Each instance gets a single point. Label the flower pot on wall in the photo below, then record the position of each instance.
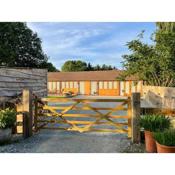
(5, 135)
(150, 142)
(165, 149)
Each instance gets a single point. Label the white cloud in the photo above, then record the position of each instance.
(96, 42)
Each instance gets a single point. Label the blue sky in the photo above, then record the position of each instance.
(98, 43)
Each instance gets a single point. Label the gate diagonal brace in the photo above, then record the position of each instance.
(101, 116)
(61, 115)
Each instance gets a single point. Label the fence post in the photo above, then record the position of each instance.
(28, 114)
(36, 114)
(25, 125)
(135, 117)
(129, 117)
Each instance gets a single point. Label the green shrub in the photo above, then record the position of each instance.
(154, 122)
(7, 118)
(166, 137)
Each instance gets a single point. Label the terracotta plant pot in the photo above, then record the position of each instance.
(165, 149)
(150, 142)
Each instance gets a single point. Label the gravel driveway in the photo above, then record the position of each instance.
(69, 142)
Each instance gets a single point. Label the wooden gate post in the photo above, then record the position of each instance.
(36, 114)
(135, 117)
(28, 114)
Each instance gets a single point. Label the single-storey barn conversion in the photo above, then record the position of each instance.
(103, 83)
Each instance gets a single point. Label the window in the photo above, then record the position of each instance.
(135, 83)
(105, 85)
(101, 85)
(133, 88)
(71, 84)
(62, 84)
(127, 87)
(50, 86)
(115, 84)
(75, 84)
(110, 84)
(67, 84)
(139, 86)
(58, 85)
(54, 86)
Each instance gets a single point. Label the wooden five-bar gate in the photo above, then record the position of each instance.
(84, 115)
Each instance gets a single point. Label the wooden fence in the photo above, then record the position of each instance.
(14, 80)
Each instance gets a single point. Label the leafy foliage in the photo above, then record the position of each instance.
(74, 66)
(154, 63)
(103, 67)
(166, 137)
(166, 26)
(89, 67)
(21, 47)
(155, 122)
(7, 118)
(49, 66)
(71, 66)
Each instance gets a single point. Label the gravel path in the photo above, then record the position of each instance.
(69, 142)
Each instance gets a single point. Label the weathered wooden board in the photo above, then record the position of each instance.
(14, 80)
(160, 97)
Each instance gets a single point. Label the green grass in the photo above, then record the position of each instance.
(56, 97)
(59, 96)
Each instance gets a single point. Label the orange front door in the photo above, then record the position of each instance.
(87, 87)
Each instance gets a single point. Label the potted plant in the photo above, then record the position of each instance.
(7, 121)
(165, 141)
(153, 123)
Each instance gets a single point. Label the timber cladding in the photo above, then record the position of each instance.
(14, 80)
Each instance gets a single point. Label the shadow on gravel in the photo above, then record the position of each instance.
(47, 141)
(74, 142)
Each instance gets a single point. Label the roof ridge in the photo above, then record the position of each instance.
(89, 71)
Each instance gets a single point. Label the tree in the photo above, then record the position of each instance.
(109, 67)
(49, 66)
(154, 63)
(104, 67)
(74, 66)
(90, 67)
(166, 26)
(21, 47)
(97, 67)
